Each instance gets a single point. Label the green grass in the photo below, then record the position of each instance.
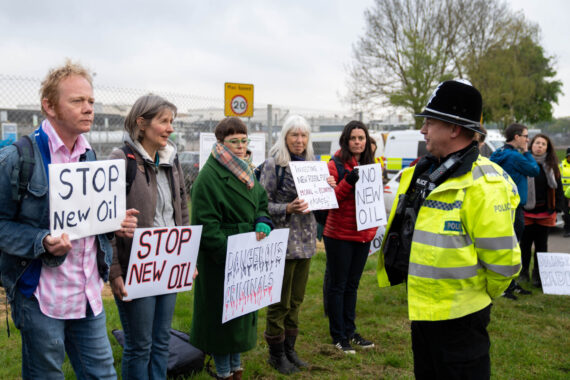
(529, 337)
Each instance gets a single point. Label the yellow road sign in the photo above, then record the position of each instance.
(238, 99)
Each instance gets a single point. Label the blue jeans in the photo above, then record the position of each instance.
(345, 263)
(146, 322)
(226, 363)
(45, 341)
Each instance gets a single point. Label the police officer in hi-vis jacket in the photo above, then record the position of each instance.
(450, 236)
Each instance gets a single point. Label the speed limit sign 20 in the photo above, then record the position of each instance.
(239, 105)
(238, 99)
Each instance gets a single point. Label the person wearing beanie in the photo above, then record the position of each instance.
(450, 236)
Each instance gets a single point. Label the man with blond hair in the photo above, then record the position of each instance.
(54, 284)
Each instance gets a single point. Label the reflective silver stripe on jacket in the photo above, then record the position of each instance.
(480, 170)
(456, 273)
(504, 270)
(496, 243)
(441, 241)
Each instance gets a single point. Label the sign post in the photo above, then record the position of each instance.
(238, 99)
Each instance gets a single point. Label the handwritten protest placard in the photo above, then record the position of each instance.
(376, 243)
(86, 198)
(311, 183)
(369, 197)
(554, 272)
(162, 260)
(254, 272)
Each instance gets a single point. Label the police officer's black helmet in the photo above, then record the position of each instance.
(456, 102)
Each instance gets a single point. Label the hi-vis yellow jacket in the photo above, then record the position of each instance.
(565, 170)
(464, 250)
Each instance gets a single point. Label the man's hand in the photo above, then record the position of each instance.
(57, 246)
(128, 224)
(118, 288)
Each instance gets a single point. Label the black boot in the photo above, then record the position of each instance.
(290, 352)
(277, 358)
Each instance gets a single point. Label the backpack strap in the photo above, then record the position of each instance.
(22, 173)
(339, 167)
(131, 166)
(280, 174)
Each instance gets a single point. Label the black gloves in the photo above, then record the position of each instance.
(352, 177)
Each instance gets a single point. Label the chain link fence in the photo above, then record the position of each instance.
(20, 114)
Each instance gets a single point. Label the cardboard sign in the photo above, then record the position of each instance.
(369, 197)
(163, 260)
(311, 183)
(86, 198)
(254, 272)
(554, 271)
(376, 243)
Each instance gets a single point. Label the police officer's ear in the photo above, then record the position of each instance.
(455, 131)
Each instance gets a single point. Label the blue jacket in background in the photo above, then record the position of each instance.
(23, 229)
(518, 165)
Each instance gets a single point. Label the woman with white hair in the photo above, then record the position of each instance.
(288, 211)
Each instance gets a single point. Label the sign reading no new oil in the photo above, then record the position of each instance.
(238, 99)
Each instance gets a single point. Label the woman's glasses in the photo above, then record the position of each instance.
(238, 142)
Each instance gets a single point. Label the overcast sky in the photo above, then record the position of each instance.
(295, 52)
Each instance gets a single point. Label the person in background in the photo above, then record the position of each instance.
(54, 284)
(346, 247)
(287, 210)
(518, 162)
(450, 236)
(226, 200)
(159, 194)
(565, 172)
(545, 198)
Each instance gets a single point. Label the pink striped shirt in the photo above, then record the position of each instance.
(63, 291)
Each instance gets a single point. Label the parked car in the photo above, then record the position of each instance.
(190, 163)
(390, 190)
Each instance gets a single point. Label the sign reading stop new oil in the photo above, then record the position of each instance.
(238, 99)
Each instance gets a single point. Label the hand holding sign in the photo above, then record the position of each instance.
(129, 224)
(57, 246)
(297, 206)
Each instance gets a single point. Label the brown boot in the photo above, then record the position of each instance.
(290, 352)
(237, 374)
(277, 358)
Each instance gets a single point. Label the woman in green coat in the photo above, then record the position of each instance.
(226, 200)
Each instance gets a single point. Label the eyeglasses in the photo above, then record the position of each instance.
(525, 136)
(238, 142)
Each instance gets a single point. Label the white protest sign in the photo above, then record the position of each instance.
(163, 260)
(254, 272)
(311, 183)
(86, 198)
(256, 147)
(376, 243)
(369, 197)
(554, 272)
(207, 141)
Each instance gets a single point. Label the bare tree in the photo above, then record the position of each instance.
(409, 46)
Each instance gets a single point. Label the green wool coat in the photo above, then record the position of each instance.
(223, 206)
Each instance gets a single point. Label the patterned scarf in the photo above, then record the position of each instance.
(242, 169)
(550, 179)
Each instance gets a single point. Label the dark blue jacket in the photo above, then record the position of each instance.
(518, 165)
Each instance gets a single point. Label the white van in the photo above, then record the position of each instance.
(404, 147)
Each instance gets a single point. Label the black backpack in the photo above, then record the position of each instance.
(183, 358)
(321, 215)
(279, 173)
